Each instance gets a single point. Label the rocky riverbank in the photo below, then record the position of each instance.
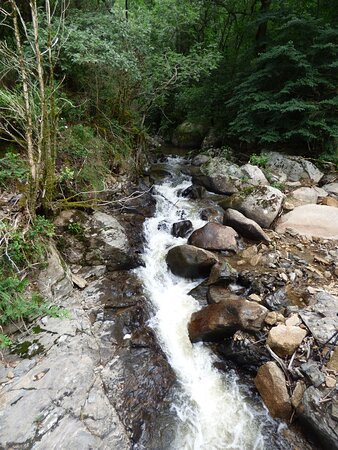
(267, 255)
(269, 304)
(98, 378)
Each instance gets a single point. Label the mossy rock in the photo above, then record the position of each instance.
(189, 135)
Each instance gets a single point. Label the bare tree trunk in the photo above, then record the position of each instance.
(263, 27)
(28, 113)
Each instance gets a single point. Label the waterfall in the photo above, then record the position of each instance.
(212, 413)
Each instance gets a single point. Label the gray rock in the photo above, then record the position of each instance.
(182, 228)
(294, 168)
(331, 188)
(261, 204)
(316, 415)
(222, 273)
(254, 174)
(200, 159)
(55, 282)
(303, 196)
(194, 192)
(321, 317)
(245, 227)
(189, 261)
(311, 370)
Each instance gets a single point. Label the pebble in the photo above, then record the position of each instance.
(330, 382)
(255, 260)
(293, 320)
(271, 318)
(255, 298)
(283, 276)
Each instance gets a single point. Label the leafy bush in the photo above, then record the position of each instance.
(25, 247)
(16, 303)
(75, 228)
(259, 160)
(12, 168)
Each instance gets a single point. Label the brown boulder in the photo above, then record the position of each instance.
(284, 340)
(214, 236)
(245, 227)
(189, 261)
(222, 319)
(270, 383)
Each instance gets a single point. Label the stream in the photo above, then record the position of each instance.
(212, 408)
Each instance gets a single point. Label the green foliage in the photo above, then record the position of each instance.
(12, 169)
(289, 96)
(75, 228)
(259, 160)
(25, 247)
(17, 303)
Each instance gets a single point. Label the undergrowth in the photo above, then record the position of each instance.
(22, 248)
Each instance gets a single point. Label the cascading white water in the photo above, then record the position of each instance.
(212, 413)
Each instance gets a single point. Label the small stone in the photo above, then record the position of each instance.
(255, 298)
(292, 276)
(10, 374)
(280, 318)
(255, 260)
(330, 382)
(249, 252)
(241, 262)
(298, 272)
(79, 281)
(271, 318)
(311, 290)
(327, 274)
(298, 393)
(284, 277)
(293, 320)
(333, 363)
(285, 340)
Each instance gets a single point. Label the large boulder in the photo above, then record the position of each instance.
(271, 384)
(284, 340)
(321, 317)
(303, 196)
(311, 220)
(214, 236)
(189, 135)
(294, 168)
(221, 176)
(331, 188)
(261, 204)
(190, 262)
(219, 320)
(55, 282)
(319, 416)
(93, 240)
(245, 227)
(219, 184)
(254, 174)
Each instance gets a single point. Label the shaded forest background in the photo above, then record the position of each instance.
(85, 85)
